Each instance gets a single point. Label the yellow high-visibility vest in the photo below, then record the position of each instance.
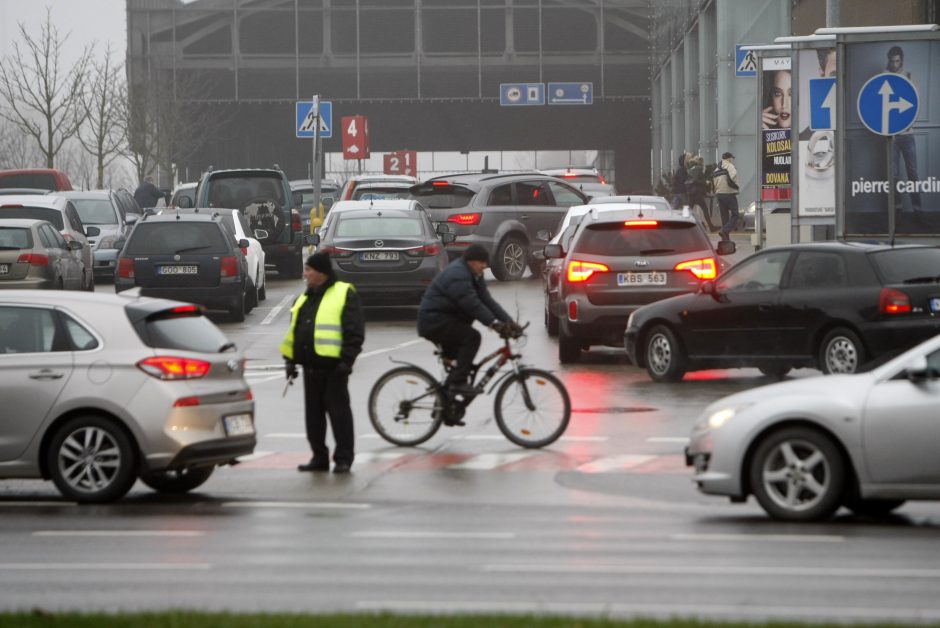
(328, 325)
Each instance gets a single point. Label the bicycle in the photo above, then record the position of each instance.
(407, 405)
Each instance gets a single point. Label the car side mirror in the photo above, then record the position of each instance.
(92, 231)
(131, 218)
(75, 245)
(919, 371)
(261, 234)
(448, 238)
(726, 247)
(553, 251)
(443, 228)
(544, 234)
(297, 199)
(243, 243)
(708, 287)
(313, 239)
(185, 202)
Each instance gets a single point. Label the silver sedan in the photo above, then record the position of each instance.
(805, 447)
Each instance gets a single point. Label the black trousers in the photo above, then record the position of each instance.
(459, 341)
(326, 393)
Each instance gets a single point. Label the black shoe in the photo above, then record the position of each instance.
(314, 466)
(342, 467)
(461, 389)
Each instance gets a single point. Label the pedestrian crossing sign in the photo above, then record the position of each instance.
(306, 115)
(745, 61)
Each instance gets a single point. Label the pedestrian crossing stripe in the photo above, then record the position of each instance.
(504, 462)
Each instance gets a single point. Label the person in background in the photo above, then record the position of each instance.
(679, 196)
(725, 179)
(147, 194)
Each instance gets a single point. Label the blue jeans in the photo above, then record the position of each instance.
(904, 147)
(728, 208)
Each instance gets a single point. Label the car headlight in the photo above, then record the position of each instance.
(717, 419)
(107, 242)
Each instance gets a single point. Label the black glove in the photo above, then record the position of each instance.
(290, 370)
(515, 329)
(501, 328)
(342, 369)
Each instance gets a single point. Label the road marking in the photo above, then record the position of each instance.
(118, 533)
(277, 309)
(712, 570)
(105, 566)
(255, 456)
(369, 354)
(784, 538)
(334, 505)
(571, 439)
(485, 462)
(429, 534)
(614, 463)
(667, 439)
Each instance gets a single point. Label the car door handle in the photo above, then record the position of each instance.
(46, 374)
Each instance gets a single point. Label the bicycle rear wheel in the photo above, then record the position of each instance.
(406, 406)
(541, 423)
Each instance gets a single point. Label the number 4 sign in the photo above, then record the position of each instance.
(355, 137)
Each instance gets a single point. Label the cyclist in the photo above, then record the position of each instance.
(449, 306)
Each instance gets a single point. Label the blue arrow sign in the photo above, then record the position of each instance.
(511, 94)
(571, 93)
(887, 104)
(306, 117)
(822, 104)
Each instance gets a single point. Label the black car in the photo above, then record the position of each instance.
(832, 306)
(186, 257)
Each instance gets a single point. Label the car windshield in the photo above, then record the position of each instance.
(378, 227)
(185, 333)
(238, 191)
(168, 238)
(615, 239)
(94, 211)
(378, 194)
(38, 213)
(900, 265)
(38, 180)
(15, 238)
(442, 196)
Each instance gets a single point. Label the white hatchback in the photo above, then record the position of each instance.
(254, 253)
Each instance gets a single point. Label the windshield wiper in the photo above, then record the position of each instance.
(193, 248)
(924, 279)
(657, 251)
(228, 346)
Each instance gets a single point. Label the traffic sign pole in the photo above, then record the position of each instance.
(317, 146)
(892, 218)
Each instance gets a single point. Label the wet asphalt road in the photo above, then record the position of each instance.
(604, 522)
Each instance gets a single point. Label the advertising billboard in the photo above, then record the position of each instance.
(892, 137)
(776, 119)
(816, 169)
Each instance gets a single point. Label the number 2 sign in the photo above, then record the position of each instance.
(401, 162)
(355, 137)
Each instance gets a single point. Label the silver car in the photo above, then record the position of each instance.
(102, 209)
(34, 255)
(109, 388)
(805, 447)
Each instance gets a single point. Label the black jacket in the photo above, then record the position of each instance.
(457, 295)
(353, 331)
(147, 195)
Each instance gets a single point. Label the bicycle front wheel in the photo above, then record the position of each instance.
(532, 408)
(406, 406)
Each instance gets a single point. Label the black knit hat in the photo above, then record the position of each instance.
(727, 156)
(476, 253)
(320, 262)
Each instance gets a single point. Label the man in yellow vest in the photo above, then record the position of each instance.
(325, 336)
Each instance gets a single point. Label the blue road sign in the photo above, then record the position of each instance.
(306, 117)
(512, 94)
(887, 104)
(571, 93)
(822, 104)
(745, 61)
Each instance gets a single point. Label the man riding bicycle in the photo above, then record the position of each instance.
(454, 299)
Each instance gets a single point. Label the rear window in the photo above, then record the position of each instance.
(42, 181)
(95, 211)
(184, 333)
(177, 237)
(615, 239)
(15, 238)
(378, 227)
(378, 194)
(39, 213)
(238, 191)
(442, 197)
(900, 265)
(580, 178)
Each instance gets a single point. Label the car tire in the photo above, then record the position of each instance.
(774, 371)
(295, 267)
(789, 490)
(263, 290)
(89, 284)
(176, 482)
(873, 507)
(841, 352)
(511, 258)
(551, 323)
(239, 309)
(569, 349)
(665, 356)
(251, 296)
(112, 457)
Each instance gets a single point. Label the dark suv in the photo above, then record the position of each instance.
(264, 196)
(617, 261)
(186, 257)
(511, 215)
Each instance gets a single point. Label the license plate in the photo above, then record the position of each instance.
(177, 270)
(379, 256)
(4, 269)
(238, 424)
(641, 279)
(934, 303)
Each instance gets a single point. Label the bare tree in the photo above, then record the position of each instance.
(40, 100)
(17, 150)
(101, 134)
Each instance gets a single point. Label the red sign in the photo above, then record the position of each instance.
(355, 137)
(401, 162)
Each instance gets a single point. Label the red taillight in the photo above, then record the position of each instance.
(428, 250)
(244, 250)
(892, 301)
(169, 367)
(439, 184)
(186, 402)
(12, 205)
(229, 266)
(295, 225)
(601, 179)
(569, 175)
(572, 310)
(335, 252)
(249, 396)
(641, 224)
(465, 219)
(186, 309)
(702, 268)
(125, 268)
(579, 271)
(35, 259)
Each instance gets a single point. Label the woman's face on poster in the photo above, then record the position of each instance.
(780, 94)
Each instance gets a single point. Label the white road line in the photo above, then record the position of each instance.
(783, 538)
(254, 381)
(379, 456)
(772, 571)
(105, 566)
(482, 462)
(255, 456)
(287, 300)
(614, 463)
(119, 533)
(333, 505)
(667, 439)
(369, 354)
(429, 534)
(572, 439)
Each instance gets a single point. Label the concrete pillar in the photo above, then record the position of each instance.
(678, 102)
(690, 89)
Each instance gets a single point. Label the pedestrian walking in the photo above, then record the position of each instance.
(147, 194)
(725, 179)
(325, 336)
